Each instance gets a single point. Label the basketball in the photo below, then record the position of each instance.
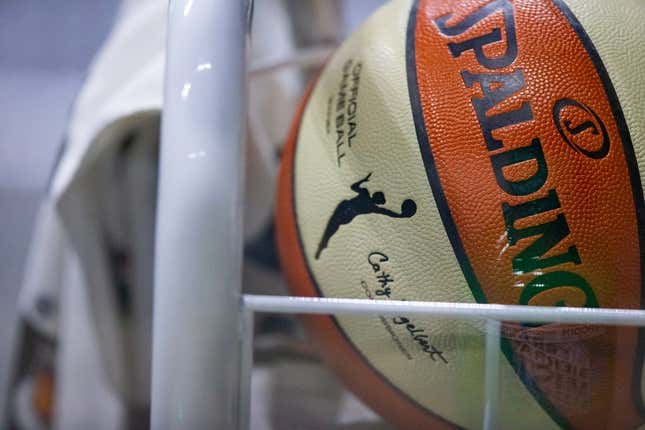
(477, 151)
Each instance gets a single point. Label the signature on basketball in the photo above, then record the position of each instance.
(421, 338)
(385, 280)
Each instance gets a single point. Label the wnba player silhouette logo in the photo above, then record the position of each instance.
(363, 204)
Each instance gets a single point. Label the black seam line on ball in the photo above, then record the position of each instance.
(453, 234)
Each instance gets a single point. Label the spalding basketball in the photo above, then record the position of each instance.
(482, 151)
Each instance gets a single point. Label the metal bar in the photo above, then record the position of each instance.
(461, 311)
(199, 217)
(491, 375)
(306, 57)
(246, 363)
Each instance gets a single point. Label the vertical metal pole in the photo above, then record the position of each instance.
(246, 369)
(491, 377)
(199, 221)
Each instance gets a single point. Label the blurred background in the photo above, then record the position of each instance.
(46, 48)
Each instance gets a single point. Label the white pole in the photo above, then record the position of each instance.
(246, 363)
(491, 375)
(198, 249)
(456, 311)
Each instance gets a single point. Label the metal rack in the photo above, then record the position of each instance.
(201, 368)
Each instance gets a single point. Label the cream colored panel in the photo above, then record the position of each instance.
(359, 122)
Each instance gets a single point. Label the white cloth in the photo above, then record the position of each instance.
(105, 187)
(93, 248)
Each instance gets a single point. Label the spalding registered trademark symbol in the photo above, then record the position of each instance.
(581, 128)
